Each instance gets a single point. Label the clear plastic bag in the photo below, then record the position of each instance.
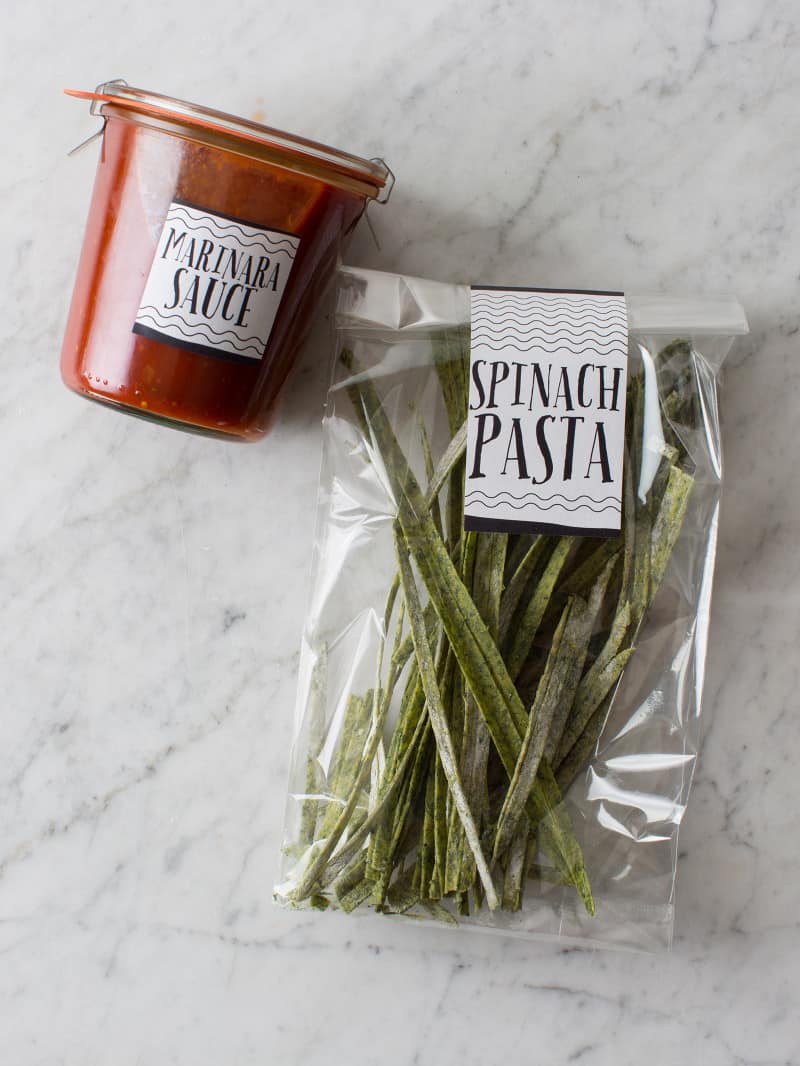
(401, 769)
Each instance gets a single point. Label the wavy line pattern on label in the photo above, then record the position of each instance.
(551, 328)
(234, 227)
(219, 333)
(545, 507)
(556, 296)
(531, 315)
(527, 320)
(551, 345)
(214, 224)
(550, 349)
(531, 309)
(550, 308)
(608, 341)
(599, 334)
(527, 303)
(612, 500)
(548, 320)
(577, 329)
(226, 224)
(556, 326)
(197, 332)
(263, 243)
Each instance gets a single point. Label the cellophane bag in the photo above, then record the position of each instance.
(427, 649)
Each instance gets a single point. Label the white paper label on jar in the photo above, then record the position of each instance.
(215, 284)
(546, 423)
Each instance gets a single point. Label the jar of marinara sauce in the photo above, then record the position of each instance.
(209, 242)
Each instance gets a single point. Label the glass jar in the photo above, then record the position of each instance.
(209, 242)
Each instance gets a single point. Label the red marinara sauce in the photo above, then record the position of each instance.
(208, 245)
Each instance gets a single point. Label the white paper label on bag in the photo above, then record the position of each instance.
(546, 423)
(215, 284)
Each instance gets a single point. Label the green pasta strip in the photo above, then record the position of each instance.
(436, 887)
(388, 831)
(314, 783)
(640, 593)
(453, 454)
(350, 877)
(355, 897)
(426, 856)
(596, 683)
(669, 459)
(533, 614)
(400, 815)
(438, 718)
(514, 879)
(438, 911)
(346, 760)
(582, 577)
(319, 861)
(533, 743)
(487, 588)
(432, 497)
(517, 584)
(581, 752)
(591, 695)
(668, 523)
(574, 651)
(402, 751)
(403, 895)
(358, 835)
(628, 532)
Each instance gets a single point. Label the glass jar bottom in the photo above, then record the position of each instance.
(165, 420)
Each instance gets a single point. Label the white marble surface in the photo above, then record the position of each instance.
(153, 589)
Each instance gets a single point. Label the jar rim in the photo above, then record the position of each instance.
(372, 176)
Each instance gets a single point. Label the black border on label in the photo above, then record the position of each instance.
(528, 288)
(193, 346)
(473, 524)
(234, 218)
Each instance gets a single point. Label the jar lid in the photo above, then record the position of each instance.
(370, 177)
